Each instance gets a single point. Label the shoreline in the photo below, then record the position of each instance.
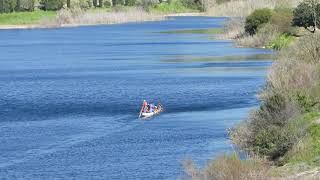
(39, 26)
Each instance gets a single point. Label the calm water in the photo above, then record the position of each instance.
(69, 99)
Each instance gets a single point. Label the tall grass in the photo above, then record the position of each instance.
(228, 167)
(242, 8)
(76, 17)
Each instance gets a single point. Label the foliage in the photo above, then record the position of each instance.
(282, 19)
(25, 5)
(118, 2)
(7, 6)
(282, 41)
(52, 5)
(303, 15)
(175, 6)
(107, 4)
(192, 4)
(307, 150)
(130, 2)
(256, 19)
(82, 4)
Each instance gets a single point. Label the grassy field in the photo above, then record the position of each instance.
(25, 18)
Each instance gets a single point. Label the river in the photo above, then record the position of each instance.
(69, 98)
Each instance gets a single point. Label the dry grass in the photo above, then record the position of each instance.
(242, 8)
(76, 17)
(229, 167)
(265, 35)
(233, 28)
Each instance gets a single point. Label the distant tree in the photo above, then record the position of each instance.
(7, 6)
(95, 3)
(130, 2)
(100, 3)
(52, 5)
(69, 3)
(256, 19)
(107, 4)
(307, 15)
(17, 5)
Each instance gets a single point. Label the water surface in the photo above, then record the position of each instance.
(69, 99)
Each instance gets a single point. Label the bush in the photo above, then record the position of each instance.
(282, 19)
(282, 41)
(303, 15)
(52, 5)
(7, 6)
(256, 19)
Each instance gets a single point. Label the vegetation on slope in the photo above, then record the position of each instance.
(282, 134)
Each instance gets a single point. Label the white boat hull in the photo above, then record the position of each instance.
(150, 114)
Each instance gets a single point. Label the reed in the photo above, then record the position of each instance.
(75, 17)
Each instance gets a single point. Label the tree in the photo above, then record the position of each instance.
(314, 4)
(7, 6)
(95, 3)
(52, 5)
(307, 15)
(18, 5)
(69, 3)
(100, 3)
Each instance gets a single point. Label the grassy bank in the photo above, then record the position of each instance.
(25, 18)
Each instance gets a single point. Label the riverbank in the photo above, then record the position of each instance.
(65, 19)
(281, 136)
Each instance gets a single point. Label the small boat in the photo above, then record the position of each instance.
(150, 114)
(156, 111)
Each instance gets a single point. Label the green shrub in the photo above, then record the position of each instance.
(256, 19)
(303, 15)
(7, 6)
(282, 41)
(52, 5)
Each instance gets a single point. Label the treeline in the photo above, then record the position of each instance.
(8, 6)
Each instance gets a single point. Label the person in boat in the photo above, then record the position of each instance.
(152, 107)
(145, 106)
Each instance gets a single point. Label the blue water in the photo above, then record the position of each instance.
(69, 99)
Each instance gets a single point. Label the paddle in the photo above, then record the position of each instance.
(141, 111)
